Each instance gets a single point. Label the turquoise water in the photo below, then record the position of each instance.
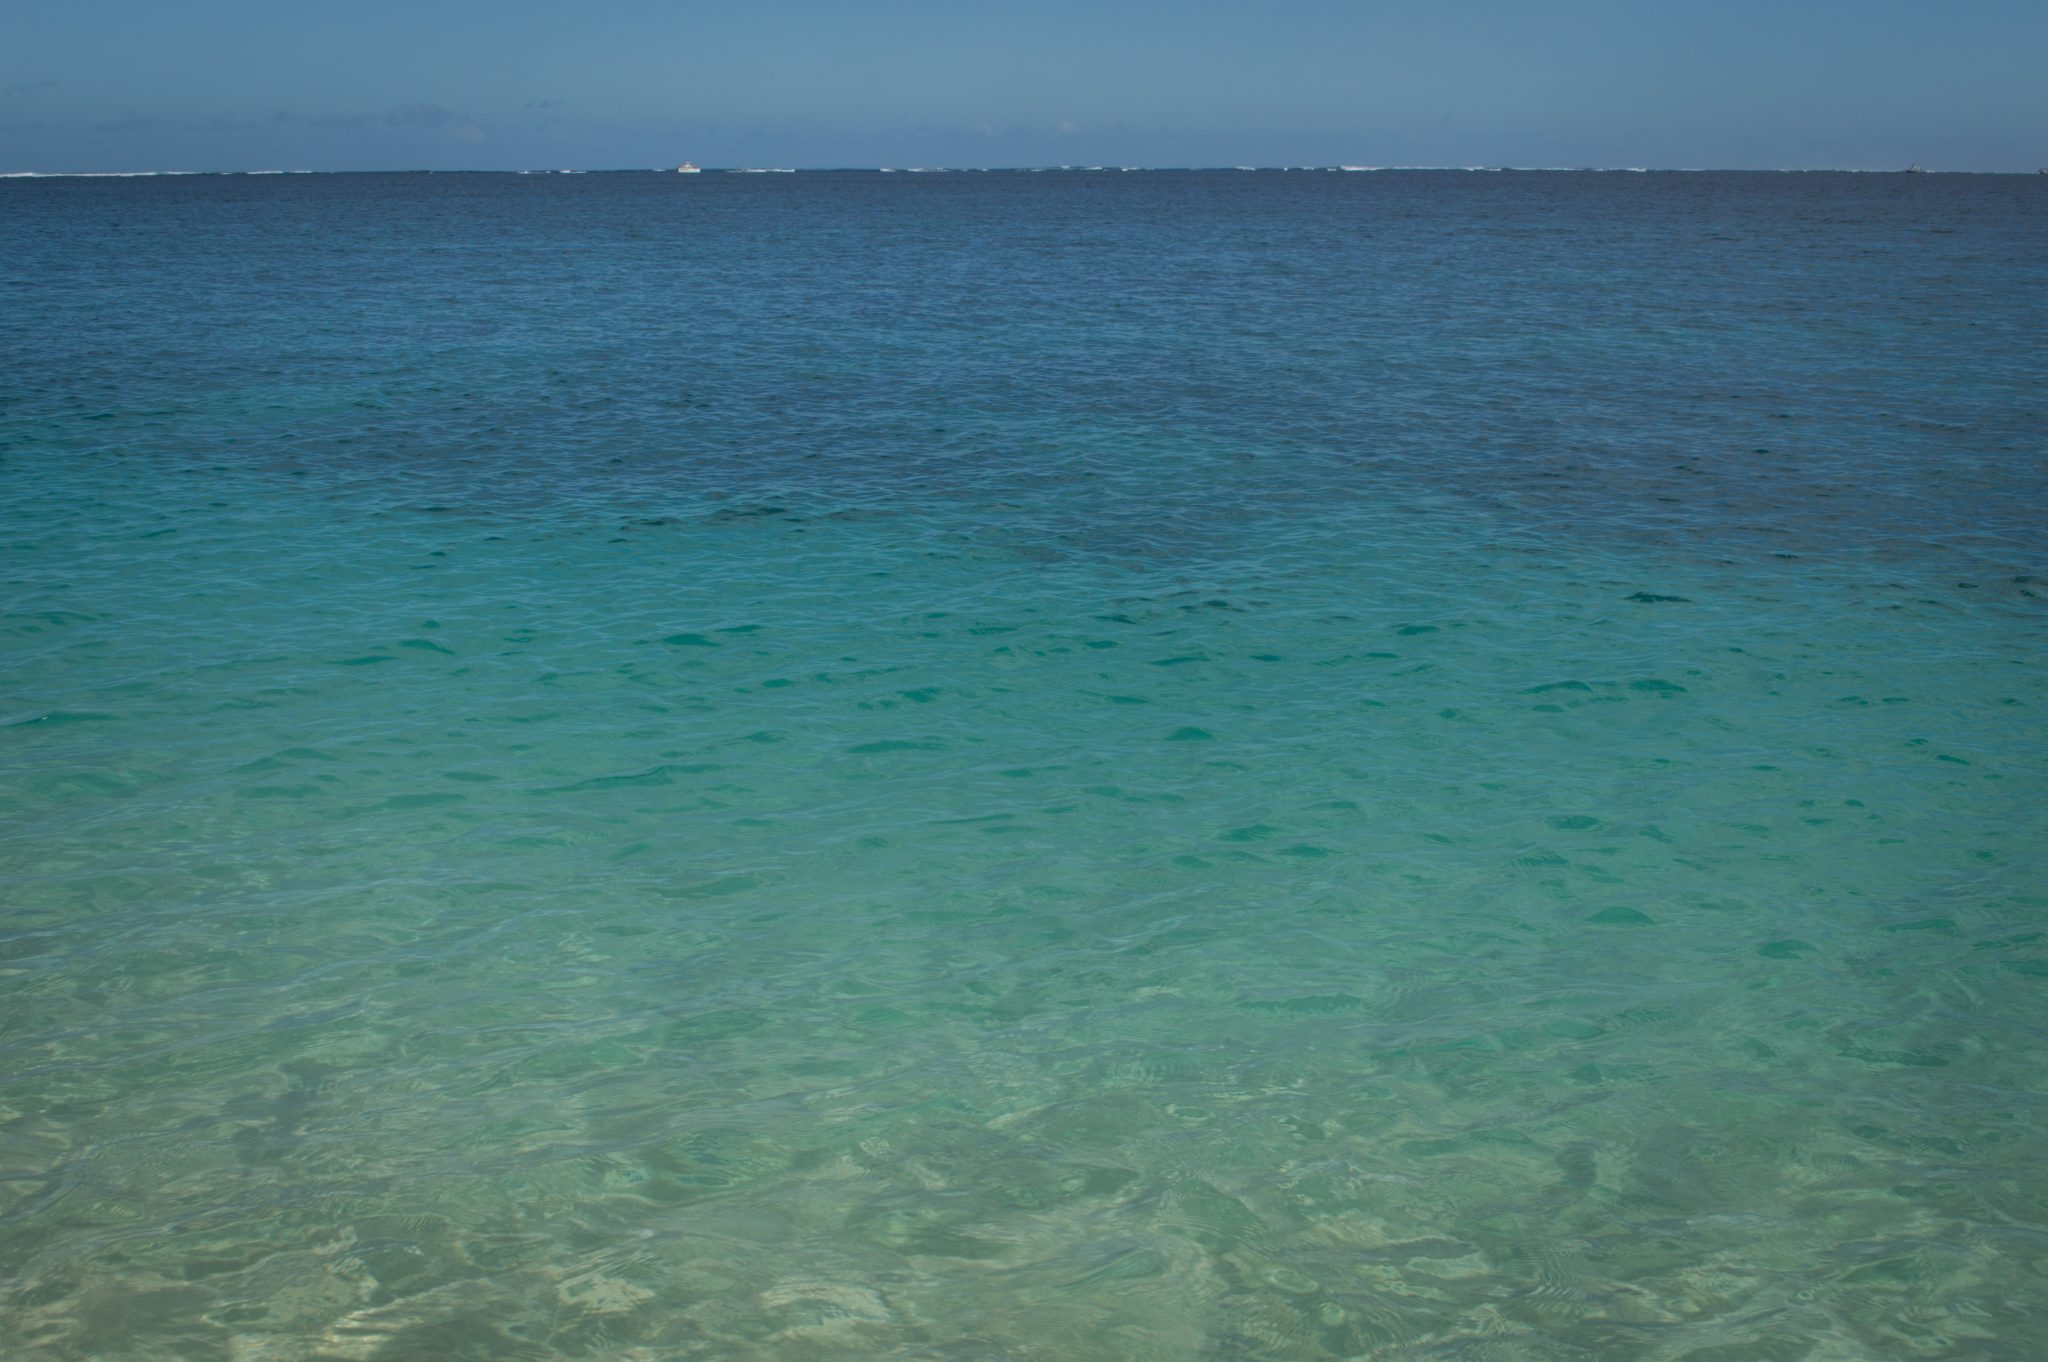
(1155, 766)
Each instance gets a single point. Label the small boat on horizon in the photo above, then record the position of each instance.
(687, 169)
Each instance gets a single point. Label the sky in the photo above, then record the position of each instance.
(115, 85)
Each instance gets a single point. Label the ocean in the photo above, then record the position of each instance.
(1172, 765)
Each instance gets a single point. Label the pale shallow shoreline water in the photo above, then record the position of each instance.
(1151, 767)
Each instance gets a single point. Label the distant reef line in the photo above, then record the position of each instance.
(1029, 170)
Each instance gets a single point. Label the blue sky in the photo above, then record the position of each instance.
(443, 84)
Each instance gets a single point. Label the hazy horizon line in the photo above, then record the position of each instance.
(1063, 168)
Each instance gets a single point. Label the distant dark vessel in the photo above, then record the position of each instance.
(1916, 169)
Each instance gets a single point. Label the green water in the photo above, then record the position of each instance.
(505, 860)
(477, 935)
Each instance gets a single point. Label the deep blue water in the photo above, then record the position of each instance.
(1155, 765)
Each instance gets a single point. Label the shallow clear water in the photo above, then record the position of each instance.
(1146, 766)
